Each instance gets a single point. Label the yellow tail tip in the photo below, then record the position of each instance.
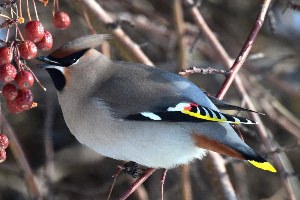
(263, 165)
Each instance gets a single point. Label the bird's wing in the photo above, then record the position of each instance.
(138, 92)
(189, 112)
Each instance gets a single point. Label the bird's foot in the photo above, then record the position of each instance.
(133, 169)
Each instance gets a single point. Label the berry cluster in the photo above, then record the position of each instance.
(35, 33)
(3, 145)
(18, 96)
(16, 78)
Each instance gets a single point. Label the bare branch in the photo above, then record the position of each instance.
(95, 8)
(186, 182)
(196, 70)
(137, 183)
(180, 30)
(239, 61)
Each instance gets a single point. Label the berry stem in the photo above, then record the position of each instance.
(20, 9)
(88, 21)
(14, 13)
(7, 34)
(16, 58)
(19, 32)
(57, 5)
(35, 10)
(28, 10)
(1, 15)
(36, 79)
(53, 7)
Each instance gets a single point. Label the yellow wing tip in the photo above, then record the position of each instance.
(263, 165)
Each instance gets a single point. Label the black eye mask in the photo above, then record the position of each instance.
(65, 61)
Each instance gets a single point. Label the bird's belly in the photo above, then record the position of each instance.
(147, 143)
(156, 147)
(153, 144)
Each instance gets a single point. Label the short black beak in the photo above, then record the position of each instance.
(48, 61)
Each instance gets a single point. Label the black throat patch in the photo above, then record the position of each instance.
(58, 78)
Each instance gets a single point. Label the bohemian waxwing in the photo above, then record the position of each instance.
(134, 112)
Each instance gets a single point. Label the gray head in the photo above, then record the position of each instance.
(73, 56)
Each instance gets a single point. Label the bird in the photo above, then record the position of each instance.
(134, 112)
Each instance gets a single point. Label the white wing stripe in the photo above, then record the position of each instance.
(151, 115)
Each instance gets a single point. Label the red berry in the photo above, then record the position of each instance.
(61, 20)
(46, 43)
(10, 91)
(24, 99)
(7, 73)
(5, 55)
(12, 107)
(27, 49)
(2, 155)
(3, 141)
(24, 79)
(34, 31)
(22, 102)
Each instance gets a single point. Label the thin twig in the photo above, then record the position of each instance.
(140, 193)
(279, 119)
(104, 47)
(209, 70)
(274, 109)
(20, 9)
(282, 86)
(116, 174)
(137, 183)
(186, 182)
(239, 61)
(180, 30)
(163, 179)
(35, 11)
(88, 21)
(209, 35)
(28, 10)
(286, 113)
(224, 187)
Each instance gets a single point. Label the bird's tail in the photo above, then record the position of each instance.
(258, 161)
(237, 149)
(265, 165)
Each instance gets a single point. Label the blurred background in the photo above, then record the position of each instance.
(64, 169)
